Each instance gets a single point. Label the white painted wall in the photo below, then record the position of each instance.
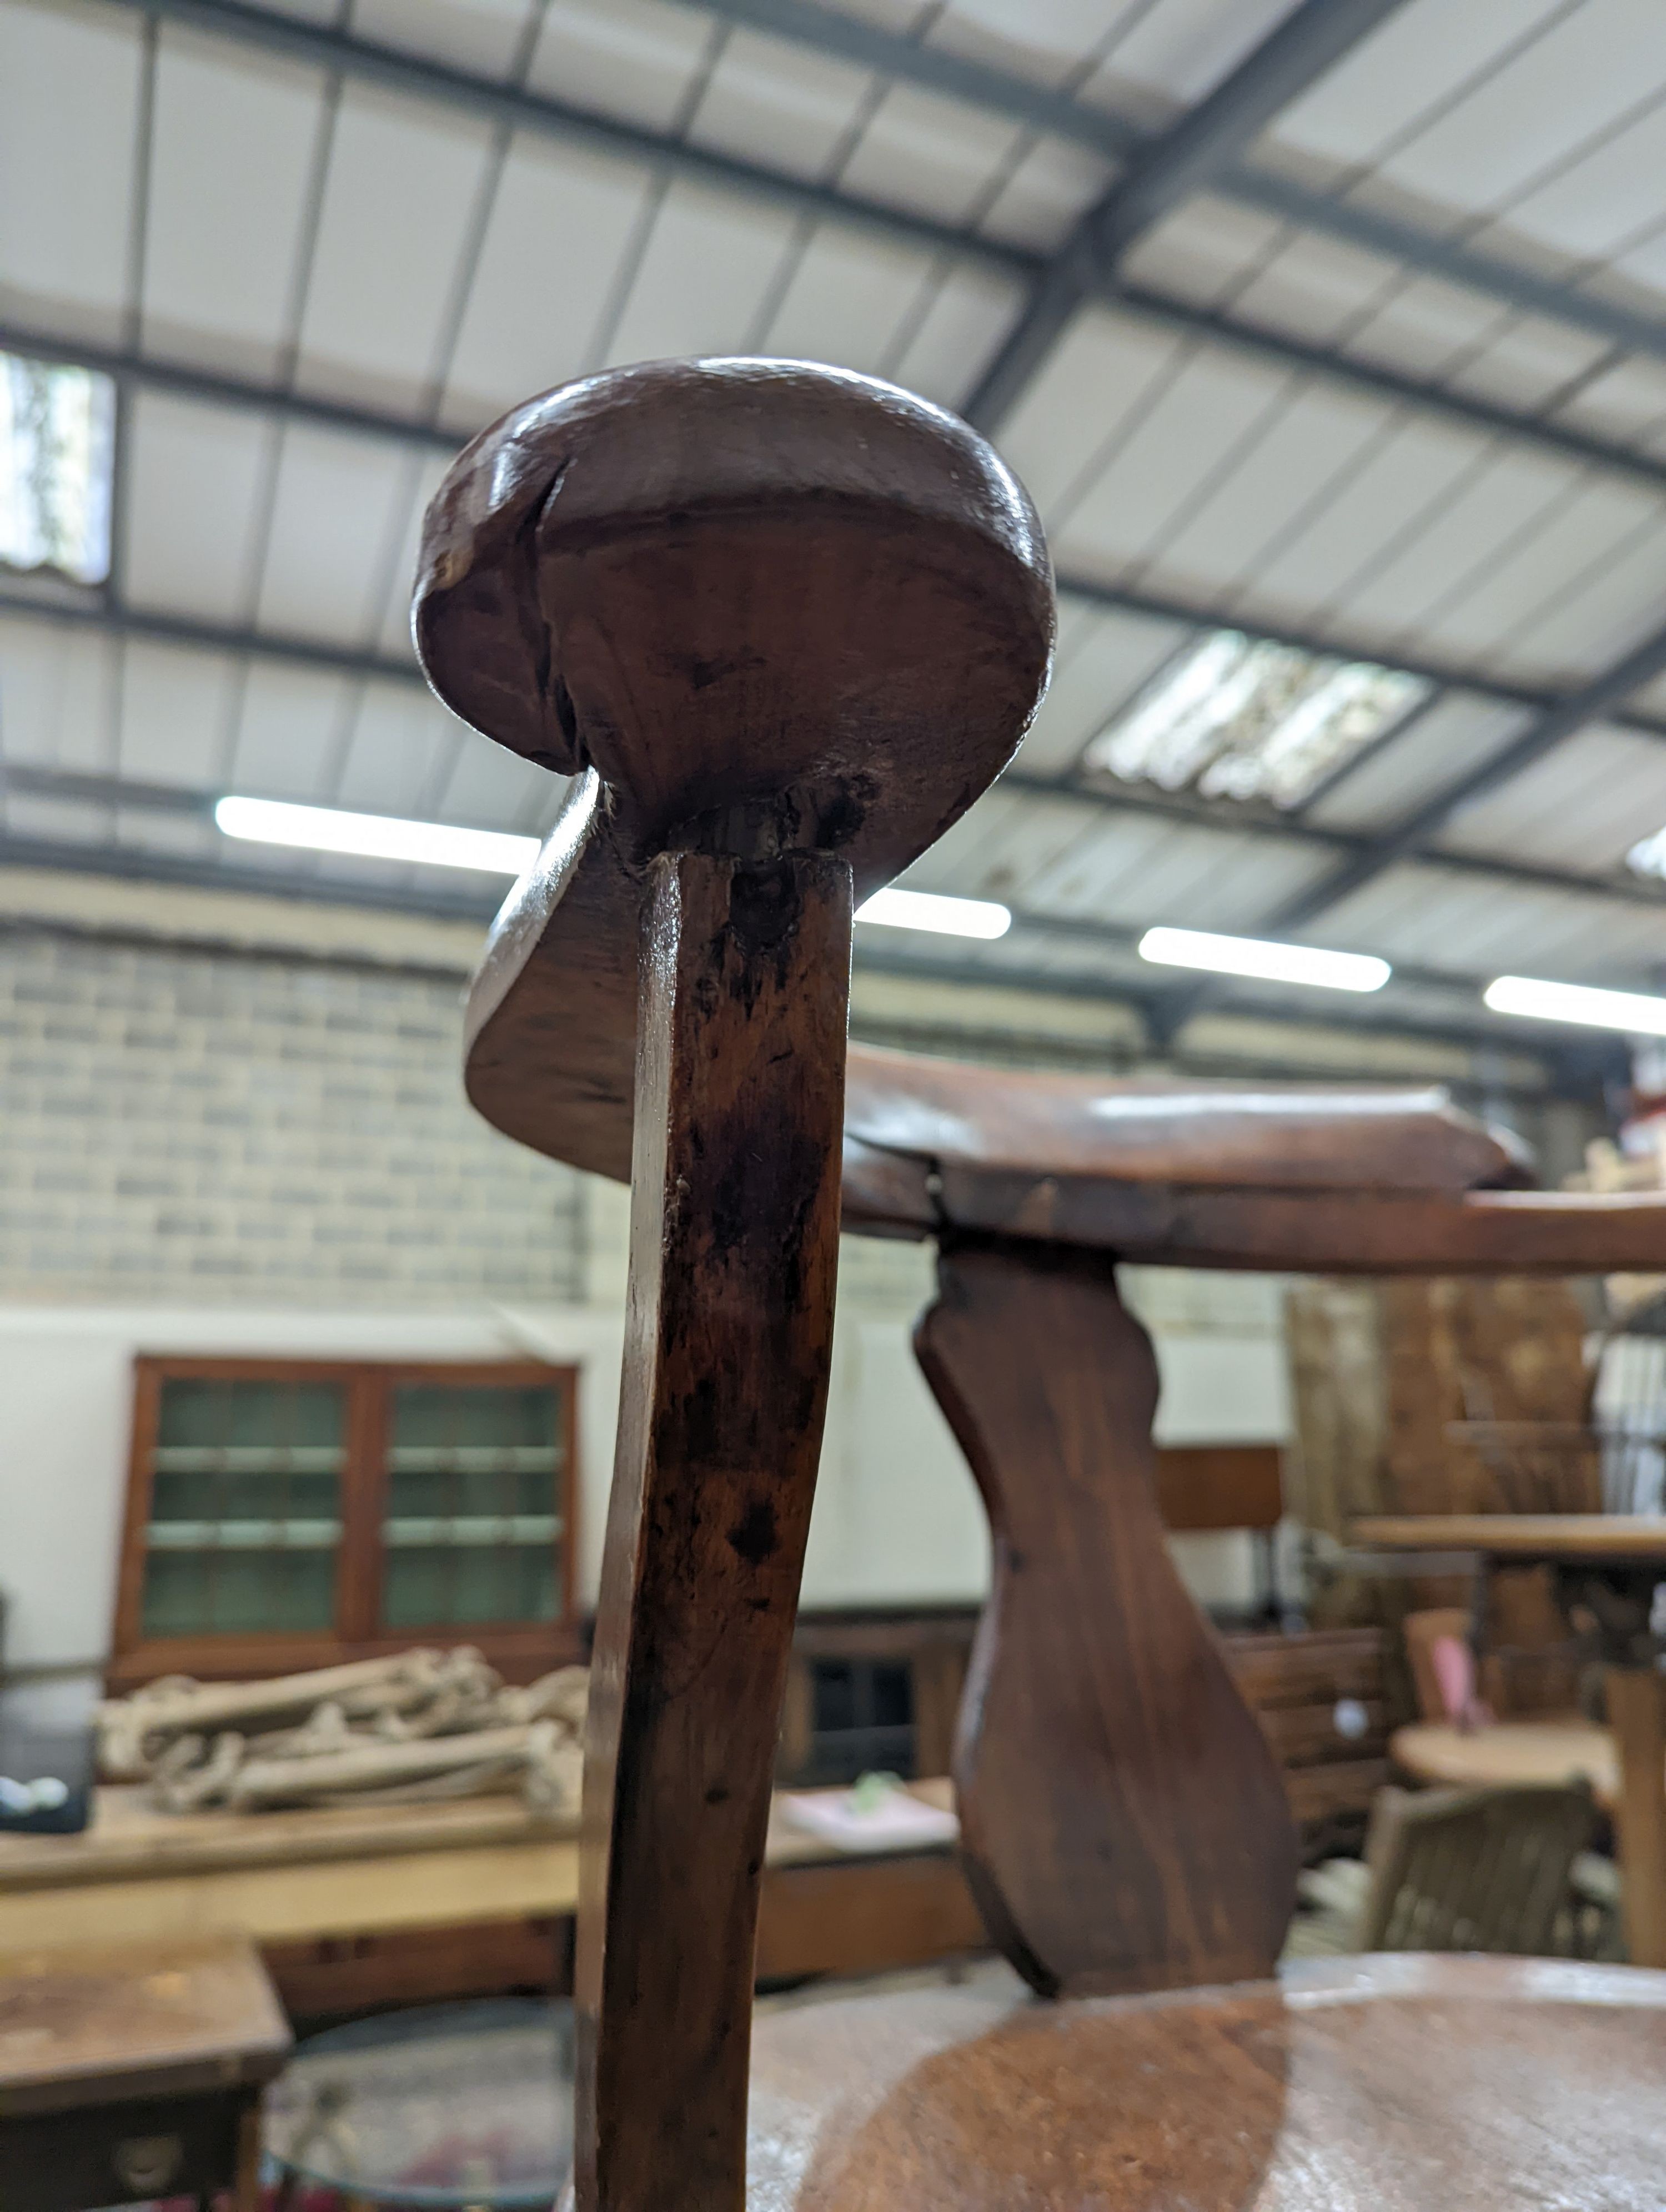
(897, 1521)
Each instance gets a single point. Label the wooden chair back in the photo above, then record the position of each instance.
(1473, 1869)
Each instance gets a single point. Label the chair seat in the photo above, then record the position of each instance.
(1397, 2082)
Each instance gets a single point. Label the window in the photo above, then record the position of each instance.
(1245, 718)
(862, 1719)
(56, 455)
(287, 1514)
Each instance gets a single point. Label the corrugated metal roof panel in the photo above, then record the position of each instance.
(969, 314)
(1049, 187)
(58, 695)
(934, 156)
(1206, 412)
(1538, 105)
(770, 100)
(1309, 445)
(638, 59)
(1183, 48)
(176, 707)
(220, 266)
(569, 214)
(71, 76)
(399, 755)
(1136, 869)
(1492, 623)
(1582, 807)
(293, 725)
(1424, 914)
(195, 477)
(1377, 94)
(1396, 486)
(492, 787)
(402, 186)
(1202, 251)
(1092, 383)
(1103, 658)
(848, 297)
(999, 844)
(481, 35)
(1433, 750)
(709, 266)
(340, 511)
(1504, 495)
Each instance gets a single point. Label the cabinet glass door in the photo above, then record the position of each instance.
(246, 1522)
(472, 1533)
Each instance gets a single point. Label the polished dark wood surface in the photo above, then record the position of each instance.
(1123, 1821)
(1393, 2083)
(755, 606)
(782, 624)
(734, 1248)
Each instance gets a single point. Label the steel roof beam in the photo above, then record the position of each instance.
(366, 61)
(1410, 837)
(30, 779)
(939, 70)
(180, 381)
(363, 59)
(1192, 154)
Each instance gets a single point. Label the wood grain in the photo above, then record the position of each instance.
(1386, 2084)
(1102, 1741)
(1621, 1538)
(734, 1243)
(93, 2023)
(1352, 1229)
(755, 606)
(1637, 1715)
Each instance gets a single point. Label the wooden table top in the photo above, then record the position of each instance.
(1390, 2083)
(93, 2025)
(128, 1839)
(1619, 1537)
(1509, 1751)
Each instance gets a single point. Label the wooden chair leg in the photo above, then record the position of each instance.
(1124, 1825)
(734, 1247)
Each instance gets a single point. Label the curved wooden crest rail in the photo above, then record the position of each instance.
(784, 625)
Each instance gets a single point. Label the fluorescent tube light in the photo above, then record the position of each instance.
(377, 836)
(1633, 1013)
(1275, 964)
(948, 917)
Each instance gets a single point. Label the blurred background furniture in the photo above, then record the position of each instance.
(133, 2071)
(442, 2107)
(1607, 1569)
(1455, 1871)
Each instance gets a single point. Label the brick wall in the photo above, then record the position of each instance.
(185, 1125)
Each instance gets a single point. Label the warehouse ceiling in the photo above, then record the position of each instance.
(1330, 341)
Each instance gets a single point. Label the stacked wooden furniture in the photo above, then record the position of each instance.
(783, 625)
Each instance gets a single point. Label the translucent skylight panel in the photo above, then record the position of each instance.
(1244, 718)
(57, 451)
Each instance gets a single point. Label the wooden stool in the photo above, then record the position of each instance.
(129, 2073)
(784, 624)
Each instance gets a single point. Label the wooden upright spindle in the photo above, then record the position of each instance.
(781, 625)
(734, 1250)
